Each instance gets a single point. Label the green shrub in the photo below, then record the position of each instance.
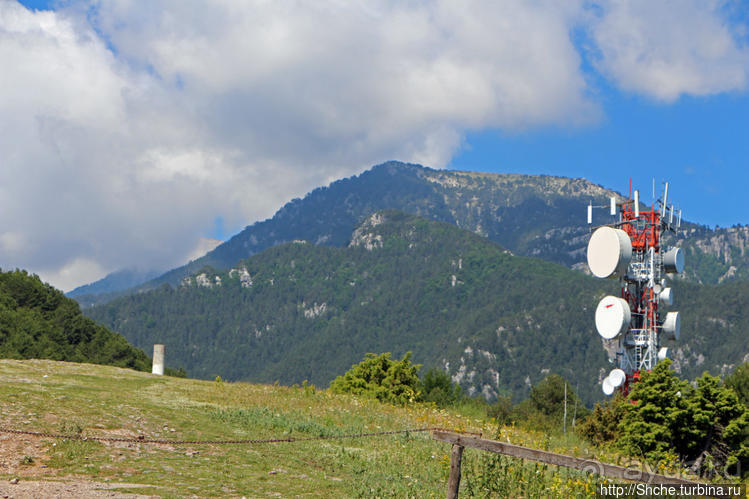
(502, 410)
(379, 377)
(602, 425)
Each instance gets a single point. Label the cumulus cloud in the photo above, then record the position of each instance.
(127, 127)
(282, 80)
(667, 49)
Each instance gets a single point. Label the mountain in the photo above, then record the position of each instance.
(111, 286)
(39, 322)
(531, 215)
(716, 255)
(496, 322)
(116, 281)
(302, 311)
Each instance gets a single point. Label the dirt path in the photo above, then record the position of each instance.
(34, 479)
(64, 488)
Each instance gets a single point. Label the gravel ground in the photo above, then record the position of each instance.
(63, 488)
(34, 480)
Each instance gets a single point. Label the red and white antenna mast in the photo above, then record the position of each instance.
(629, 249)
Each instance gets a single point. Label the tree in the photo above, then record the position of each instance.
(657, 411)
(438, 387)
(545, 407)
(739, 382)
(718, 437)
(380, 377)
(602, 426)
(705, 426)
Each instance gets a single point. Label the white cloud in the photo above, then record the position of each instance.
(127, 127)
(667, 49)
(204, 245)
(69, 275)
(346, 81)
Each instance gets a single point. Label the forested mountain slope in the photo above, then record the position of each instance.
(496, 322)
(301, 311)
(39, 322)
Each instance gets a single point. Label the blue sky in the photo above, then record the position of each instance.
(700, 145)
(145, 127)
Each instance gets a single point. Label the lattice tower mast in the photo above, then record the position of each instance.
(630, 249)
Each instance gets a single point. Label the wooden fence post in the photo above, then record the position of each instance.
(454, 483)
(459, 441)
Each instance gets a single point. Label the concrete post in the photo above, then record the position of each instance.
(158, 360)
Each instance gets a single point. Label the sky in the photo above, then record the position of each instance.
(131, 133)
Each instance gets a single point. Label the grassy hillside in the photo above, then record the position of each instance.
(48, 396)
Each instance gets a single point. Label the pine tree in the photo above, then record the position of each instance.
(706, 426)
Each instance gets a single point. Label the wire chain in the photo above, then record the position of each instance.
(142, 440)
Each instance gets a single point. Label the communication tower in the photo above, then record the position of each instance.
(630, 249)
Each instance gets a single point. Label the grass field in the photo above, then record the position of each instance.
(90, 400)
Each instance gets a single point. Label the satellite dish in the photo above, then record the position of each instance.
(672, 325)
(612, 317)
(666, 296)
(608, 388)
(663, 354)
(616, 377)
(609, 252)
(673, 261)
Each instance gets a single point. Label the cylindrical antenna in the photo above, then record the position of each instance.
(678, 220)
(613, 205)
(671, 215)
(590, 213)
(637, 203)
(665, 200)
(653, 198)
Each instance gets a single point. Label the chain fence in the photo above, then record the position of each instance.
(251, 441)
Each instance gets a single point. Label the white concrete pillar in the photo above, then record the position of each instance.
(158, 360)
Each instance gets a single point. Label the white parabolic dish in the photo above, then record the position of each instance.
(663, 354)
(673, 261)
(617, 377)
(609, 252)
(612, 317)
(672, 325)
(608, 388)
(666, 296)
